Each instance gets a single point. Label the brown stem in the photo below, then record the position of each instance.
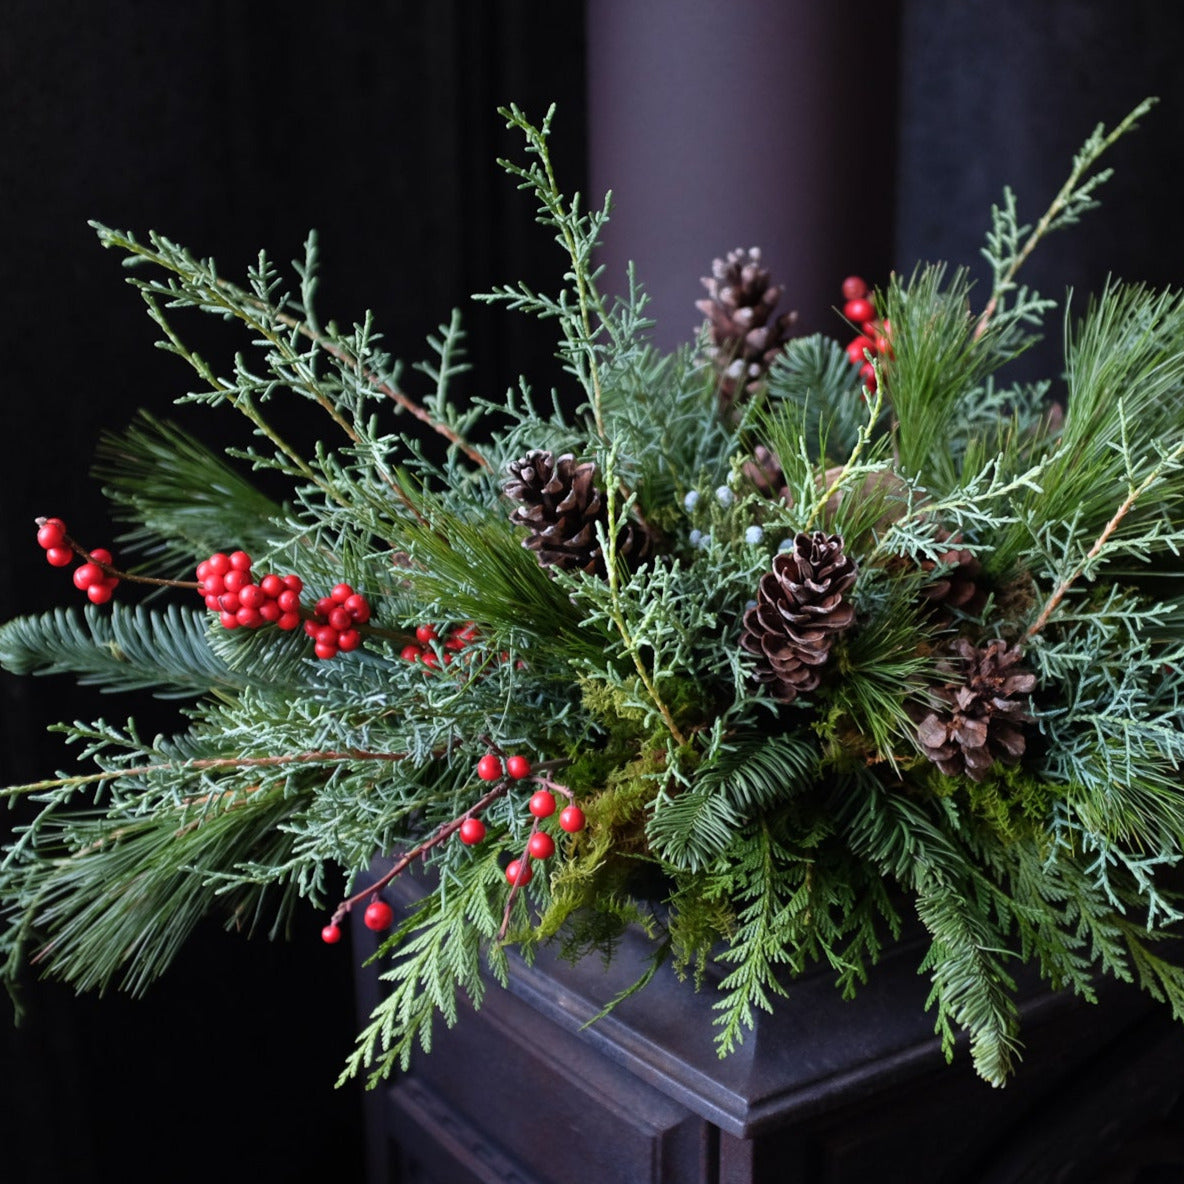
(392, 392)
(1128, 502)
(109, 569)
(553, 786)
(524, 861)
(218, 762)
(405, 861)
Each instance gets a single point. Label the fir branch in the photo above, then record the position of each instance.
(126, 649)
(439, 951)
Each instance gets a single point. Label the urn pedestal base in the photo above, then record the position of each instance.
(825, 1091)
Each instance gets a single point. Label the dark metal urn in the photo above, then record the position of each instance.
(824, 1091)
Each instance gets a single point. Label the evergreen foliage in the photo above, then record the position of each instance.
(748, 836)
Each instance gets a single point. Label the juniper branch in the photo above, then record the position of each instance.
(1072, 195)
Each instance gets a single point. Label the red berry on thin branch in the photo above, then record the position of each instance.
(571, 819)
(518, 767)
(489, 767)
(378, 916)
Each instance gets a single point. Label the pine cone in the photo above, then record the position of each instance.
(561, 506)
(984, 710)
(745, 339)
(763, 469)
(958, 587)
(799, 610)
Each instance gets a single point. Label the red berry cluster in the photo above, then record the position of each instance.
(226, 584)
(335, 620)
(874, 335)
(540, 845)
(93, 576)
(424, 651)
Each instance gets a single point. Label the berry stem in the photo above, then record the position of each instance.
(109, 569)
(523, 862)
(545, 782)
(204, 763)
(405, 860)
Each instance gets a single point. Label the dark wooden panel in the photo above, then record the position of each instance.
(519, 1084)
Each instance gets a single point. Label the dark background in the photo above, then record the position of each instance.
(231, 126)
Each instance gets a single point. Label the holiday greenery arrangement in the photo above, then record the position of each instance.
(768, 646)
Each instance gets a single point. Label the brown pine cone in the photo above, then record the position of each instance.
(745, 336)
(958, 587)
(799, 611)
(984, 708)
(561, 507)
(763, 469)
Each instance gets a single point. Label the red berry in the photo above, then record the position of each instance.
(214, 603)
(100, 593)
(288, 621)
(358, 607)
(858, 348)
(240, 561)
(859, 310)
(251, 596)
(411, 653)
(341, 593)
(854, 287)
(87, 574)
(518, 767)
(331, 934)
(289, 601)
(348, 640)
(324, 652)
(489, 767)
(219, 564)
(272, 586)
(52, 533)
(59, 556)
(294, 584)
(228, 602)
(236, 579)
(868, 373)
(249, 618)
(339, 618)
(541, 845)
(571, 819)
(229, 620)
(430, 659)
(378, 916)
(270, 611)
(425, 634)
(542, 804)
(472, 830)
(519, 871)
(101, 555)
(325, 606)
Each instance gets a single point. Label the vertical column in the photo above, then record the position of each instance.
(738, 123)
